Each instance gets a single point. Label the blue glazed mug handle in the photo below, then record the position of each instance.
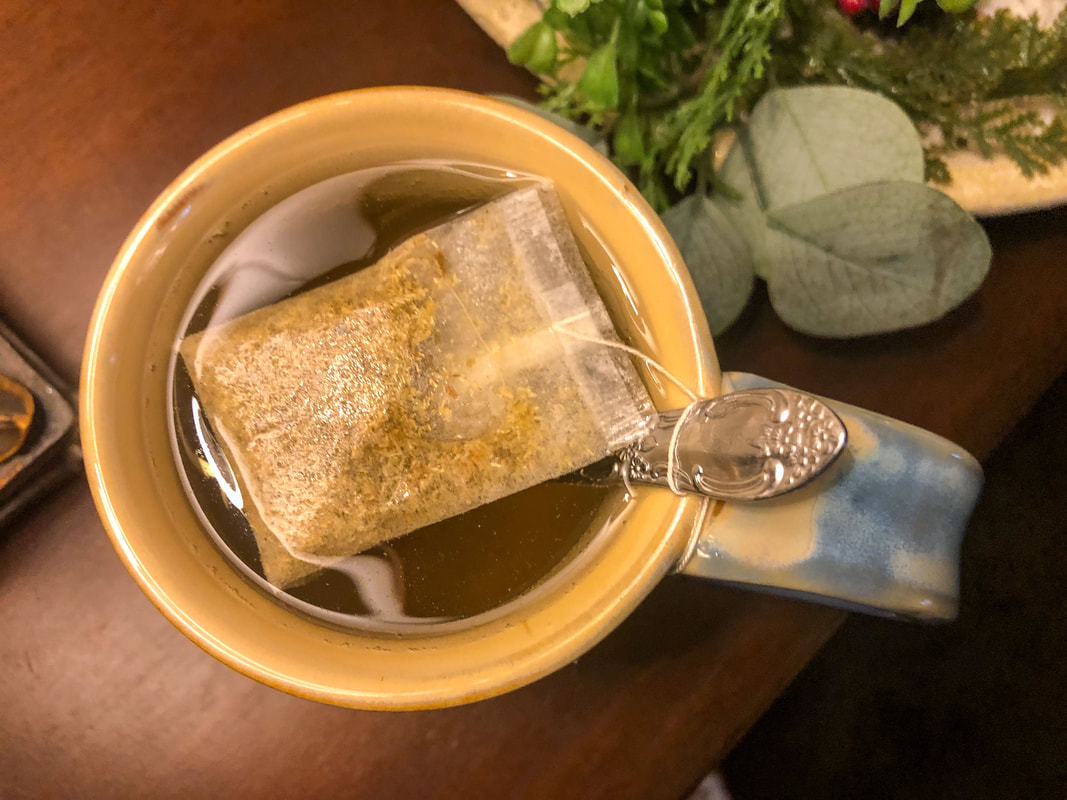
(880, 532)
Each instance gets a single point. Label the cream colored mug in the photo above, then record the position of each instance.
(880, 532)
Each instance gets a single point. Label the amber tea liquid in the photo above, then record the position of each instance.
(455, 569)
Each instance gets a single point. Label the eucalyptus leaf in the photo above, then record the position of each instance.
(813, 140)
(587, 135)
(872, 258)
(717, 256)
(745, 209)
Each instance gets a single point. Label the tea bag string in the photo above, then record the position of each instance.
(694, 398)
(672, 448)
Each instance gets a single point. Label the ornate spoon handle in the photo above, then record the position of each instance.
(748, 445)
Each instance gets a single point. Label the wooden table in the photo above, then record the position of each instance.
(103, 104)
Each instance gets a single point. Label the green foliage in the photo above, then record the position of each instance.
(718, 256)
(960, 79)
(741, 49)
(907, 8)
(845, 251)
(822, 197)
(956, 6)
(659, 76)
(600, 80)
(536, 48)
(873, 258)
(813, 140)
(572, 7)
(674, 72)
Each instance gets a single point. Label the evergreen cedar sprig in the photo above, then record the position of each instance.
(661, 77)
(743, 47)
(960, 79)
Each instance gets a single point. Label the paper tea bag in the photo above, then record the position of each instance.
(430, 383)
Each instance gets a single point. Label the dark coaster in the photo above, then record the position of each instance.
(50, 452)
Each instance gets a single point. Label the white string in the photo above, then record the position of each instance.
(693, 396)
(694, 537)
(672, 447)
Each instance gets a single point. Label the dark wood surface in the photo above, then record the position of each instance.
(103, 104)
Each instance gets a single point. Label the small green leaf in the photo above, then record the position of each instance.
(556, 18)
(872, 258)
(907, 8)
(535, 49)
(571, 7)
(587, 135)
(523, 46)
(812, 140)
(658, 21)
(956, 6)
(717, 257)
(600, 80)
(680, 35)
(628, 140)
(745, 211)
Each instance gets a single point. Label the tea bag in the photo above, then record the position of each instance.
(462, 367)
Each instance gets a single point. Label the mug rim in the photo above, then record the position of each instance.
(634, 581)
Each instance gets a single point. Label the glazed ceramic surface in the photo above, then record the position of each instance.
(880, 533)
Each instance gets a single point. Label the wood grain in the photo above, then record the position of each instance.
(104, 103)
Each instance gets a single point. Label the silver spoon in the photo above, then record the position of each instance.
(748, 445)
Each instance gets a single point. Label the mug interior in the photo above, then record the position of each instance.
(125, 399)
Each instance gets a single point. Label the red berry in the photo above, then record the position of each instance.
(851, 8)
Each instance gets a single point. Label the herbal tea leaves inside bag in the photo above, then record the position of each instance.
(426, 385)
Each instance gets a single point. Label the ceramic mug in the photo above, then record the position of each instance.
(881, 531)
